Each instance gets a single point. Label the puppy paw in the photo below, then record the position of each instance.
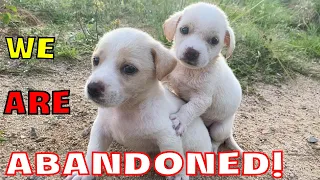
(179, 127)
(178, 177)
(75, 176)
(175, 121)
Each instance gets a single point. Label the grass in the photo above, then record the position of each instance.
(275, 39)
(2, 139)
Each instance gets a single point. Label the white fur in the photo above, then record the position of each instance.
(210, 88)
(137, 115)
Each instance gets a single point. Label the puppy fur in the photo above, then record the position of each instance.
(134, 109)
(205, 81)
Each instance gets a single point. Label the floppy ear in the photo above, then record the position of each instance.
(170, 25)
(164, 61)
(230, 41)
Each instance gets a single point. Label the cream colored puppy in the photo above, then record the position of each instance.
(133, 106)
(202, 77)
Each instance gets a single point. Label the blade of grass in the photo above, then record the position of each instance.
(243, 14)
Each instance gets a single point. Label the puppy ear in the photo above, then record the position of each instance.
(170, 25)
(164, 61)
(230, 41)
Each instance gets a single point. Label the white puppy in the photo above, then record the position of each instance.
(134, 107)
(203, 77)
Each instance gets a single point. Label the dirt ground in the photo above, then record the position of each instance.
(274, 117)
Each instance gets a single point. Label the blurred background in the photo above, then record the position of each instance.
(274, 37)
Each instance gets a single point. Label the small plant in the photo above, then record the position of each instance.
(2, 139)
(7, 13)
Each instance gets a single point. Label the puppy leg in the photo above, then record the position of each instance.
(215, 146)
(197, 138)
(232, 144)
(99, 141)
(189, 112)
(222, 131)
(172, 142)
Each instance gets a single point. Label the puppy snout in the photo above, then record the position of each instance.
(191, 56)
(95, 89)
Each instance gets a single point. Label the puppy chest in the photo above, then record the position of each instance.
(133, 138)
(126, 131)
(184, 89)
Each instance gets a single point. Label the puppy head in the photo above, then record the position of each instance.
(199, 31)
(126, 64)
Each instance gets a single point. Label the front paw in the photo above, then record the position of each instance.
(178, 177)
(75, 176)
(179, 127)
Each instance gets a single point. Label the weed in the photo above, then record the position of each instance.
(2, 139)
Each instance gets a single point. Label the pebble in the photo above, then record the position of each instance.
(13, 135)
(30, 148)
(265, 131)
(60, 117)
(35, 178)
(316, 147)
(53, 123)
(272, 129)
(244, 116)
(30, 89)
(41, 139)
(312, 139)
(33, 133)
(22, 137)
(86, 132)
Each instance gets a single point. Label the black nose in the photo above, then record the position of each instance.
(95, 89)
(191, 56)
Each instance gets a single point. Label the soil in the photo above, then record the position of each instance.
(273, 118)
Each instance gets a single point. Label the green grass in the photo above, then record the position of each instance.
(275, 38)
(2, 139)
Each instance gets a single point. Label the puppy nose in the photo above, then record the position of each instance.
(191, 54)
(95, 89)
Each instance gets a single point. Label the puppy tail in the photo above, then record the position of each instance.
(232, 144)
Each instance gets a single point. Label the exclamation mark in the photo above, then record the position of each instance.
(277, 168)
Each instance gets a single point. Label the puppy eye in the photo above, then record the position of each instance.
(129, 69)
(96, 61)
(184, 30)
(214, 41)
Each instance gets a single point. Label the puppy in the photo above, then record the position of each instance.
(133, 106)
(202, 77)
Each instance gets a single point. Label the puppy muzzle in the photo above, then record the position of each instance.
(191, 56)
(95, 92)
